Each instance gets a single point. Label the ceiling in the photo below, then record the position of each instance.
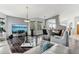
(38, 10)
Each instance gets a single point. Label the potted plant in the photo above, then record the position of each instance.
(2, 30)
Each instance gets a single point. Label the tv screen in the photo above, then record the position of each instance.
(19, 28)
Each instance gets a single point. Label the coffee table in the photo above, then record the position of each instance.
(26, 45)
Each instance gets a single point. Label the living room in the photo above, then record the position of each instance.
(39, 28)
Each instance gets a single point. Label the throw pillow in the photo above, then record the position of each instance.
(45, 45)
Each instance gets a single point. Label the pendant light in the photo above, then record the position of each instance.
(27, 20)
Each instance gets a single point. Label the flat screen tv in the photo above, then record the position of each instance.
(19, 28)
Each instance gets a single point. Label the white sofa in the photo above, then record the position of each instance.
(55, 49)
(64, 40)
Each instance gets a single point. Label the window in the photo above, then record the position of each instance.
(51, 23)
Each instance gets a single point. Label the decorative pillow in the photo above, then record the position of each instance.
(45, 45)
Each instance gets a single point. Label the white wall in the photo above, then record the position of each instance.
(2, 15)
(13, 20)
(67, 18)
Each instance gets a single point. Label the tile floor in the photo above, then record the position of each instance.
(73, 47)
(4, 48)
